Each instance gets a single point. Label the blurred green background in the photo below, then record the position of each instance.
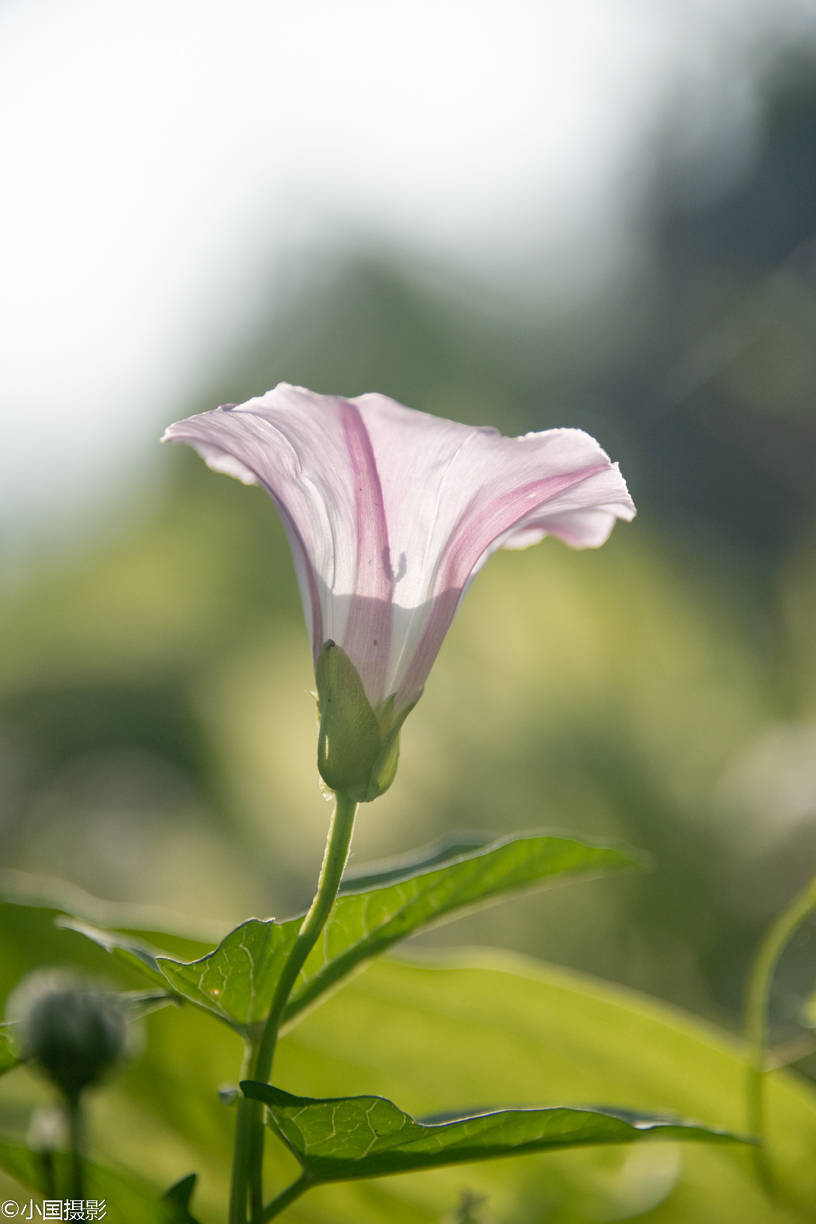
(157, 736)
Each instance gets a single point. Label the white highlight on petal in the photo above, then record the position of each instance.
(221, 461)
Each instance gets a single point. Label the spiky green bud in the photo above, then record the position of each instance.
(74, 1031)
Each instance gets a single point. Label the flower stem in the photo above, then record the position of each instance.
(49, 1177)
(760, 981)
(249, 1139)
(240, 1155)
(73, 1110)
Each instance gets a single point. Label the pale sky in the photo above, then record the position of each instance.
(156, 154)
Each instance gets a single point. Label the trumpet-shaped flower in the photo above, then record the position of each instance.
(390, 513)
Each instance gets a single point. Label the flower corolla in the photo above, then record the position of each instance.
(390, 513)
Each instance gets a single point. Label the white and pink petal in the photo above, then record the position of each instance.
(390, 512)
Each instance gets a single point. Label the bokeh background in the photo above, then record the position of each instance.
(522, 214)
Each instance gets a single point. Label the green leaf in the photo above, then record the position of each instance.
(132, 950)
(364, 924)
(473, 1028)
(140, 1003)
(8, 1054)
(343, 1138)
(176, 1202)
(402, 866)
(146, 923)
(236, 980)
(233, 982)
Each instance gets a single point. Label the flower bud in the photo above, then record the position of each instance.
(74, 1031)
(357, 748)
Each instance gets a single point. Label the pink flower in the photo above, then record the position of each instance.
(390, 513)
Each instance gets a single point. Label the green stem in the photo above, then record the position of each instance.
(248, 1167)
(73, 1109)
(286, 1197)
(49, 1176)
(767, 958)
(240, 1155)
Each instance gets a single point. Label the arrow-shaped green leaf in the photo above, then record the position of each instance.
(341, 1138)
(403, 866)
(236, 981)
(366, 923)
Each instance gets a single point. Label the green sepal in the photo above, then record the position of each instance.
(385, 768)
(357, 747)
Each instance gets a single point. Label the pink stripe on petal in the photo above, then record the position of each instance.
(475, 531)
(368, 633)
(443, 609)
(390, 512)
